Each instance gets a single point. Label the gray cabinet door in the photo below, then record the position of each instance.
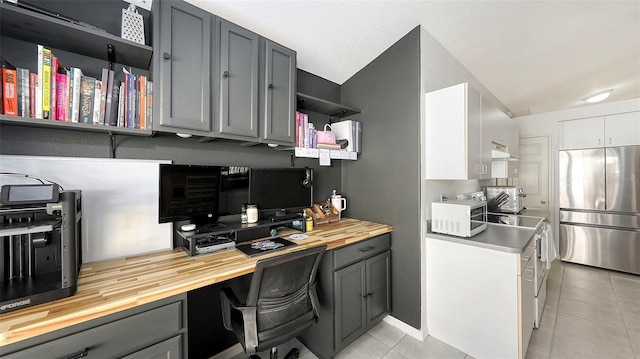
(185, 63)
(168, 349)
(238, 79)
(378, 287)
(350, 300)
(278, 94)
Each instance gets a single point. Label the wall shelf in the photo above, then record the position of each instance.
(315, 104)
(60, 34)
(334, 154)
(33, 122)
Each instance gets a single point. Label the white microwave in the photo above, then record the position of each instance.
(462, 218)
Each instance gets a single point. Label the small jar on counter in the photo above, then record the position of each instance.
(243, 215)
(252, 213)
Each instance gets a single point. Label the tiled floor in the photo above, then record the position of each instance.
(589, 313)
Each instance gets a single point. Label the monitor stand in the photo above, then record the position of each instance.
(210, 227)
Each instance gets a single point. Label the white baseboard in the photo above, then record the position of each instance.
(229, 352)
(406, 328)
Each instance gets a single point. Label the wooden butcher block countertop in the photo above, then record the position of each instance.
(115, 285)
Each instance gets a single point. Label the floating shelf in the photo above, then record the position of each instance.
(315, 104)
(74, 37)
(333, 154)
(34, 122)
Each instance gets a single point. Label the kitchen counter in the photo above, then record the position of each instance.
(112, 286)
(499, 237)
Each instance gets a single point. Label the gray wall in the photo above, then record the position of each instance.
(383, 185)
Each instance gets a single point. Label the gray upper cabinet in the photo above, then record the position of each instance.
(238, 78)
(183, 57)
(277, 93)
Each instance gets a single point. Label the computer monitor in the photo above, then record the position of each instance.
(278, 191)
(234, 190)
(189, 193)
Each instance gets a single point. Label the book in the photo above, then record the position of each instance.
(149, 105)
(76, 81)
(67, 96)
(46, 84)
(39, 82)
(24, 104)
(104, 82)
(142, 101)
(87, 92)
(52, 96)
(130, 107)
(108, 98)
(121, 104)
(9, 92)
(97, 100)
(61, 96)
(3, 64)
(297, 134)
(33, 80)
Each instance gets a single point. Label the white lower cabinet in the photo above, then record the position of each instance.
(480, 301)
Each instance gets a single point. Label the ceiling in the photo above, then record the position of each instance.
(534, 56)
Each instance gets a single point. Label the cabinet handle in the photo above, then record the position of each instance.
(81, 354)
(543, 201)
(366, 249)
(367, 295)
(270, 86)
(599, 141)
(609, 140)
(166, 56)
(225, 74)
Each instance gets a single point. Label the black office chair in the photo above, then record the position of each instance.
(282, 302)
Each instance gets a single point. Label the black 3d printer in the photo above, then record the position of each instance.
(40, 244)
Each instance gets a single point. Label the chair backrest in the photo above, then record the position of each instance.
(283, 287)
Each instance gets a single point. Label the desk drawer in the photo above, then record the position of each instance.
(361, 250)
(115, 339)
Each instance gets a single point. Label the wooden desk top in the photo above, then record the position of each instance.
(115, 285)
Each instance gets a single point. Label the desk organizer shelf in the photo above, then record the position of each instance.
(323, 213)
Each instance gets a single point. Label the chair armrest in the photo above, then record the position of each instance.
(229, 302)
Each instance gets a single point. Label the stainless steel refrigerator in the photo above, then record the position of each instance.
(600, 207)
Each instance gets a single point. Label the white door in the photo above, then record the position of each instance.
(534, 172)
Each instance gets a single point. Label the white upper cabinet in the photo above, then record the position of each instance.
(604, 131)
(453, 135)
(622, 129)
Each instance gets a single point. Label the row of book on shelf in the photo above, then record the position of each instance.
(307, 135)
(58, 93)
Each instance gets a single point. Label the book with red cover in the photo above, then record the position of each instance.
(9, 92)
(103, 95)
(33, 80)
(61, 97)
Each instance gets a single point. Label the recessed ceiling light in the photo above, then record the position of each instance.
(598, 96)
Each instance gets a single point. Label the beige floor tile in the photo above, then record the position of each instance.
(541, 339)
(568, 346)
(631, 314)
(605, 316)
(533, 353)
(595, 333)
(392, 354)
(365, 347)
(606, 299)
(429, 348)
(585, 272)
(387, 333)
(549, 316)
(605, 288)
(635, 342)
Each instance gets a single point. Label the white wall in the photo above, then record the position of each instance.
(439, 69)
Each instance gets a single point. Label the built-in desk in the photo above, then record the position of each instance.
(114, 286)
